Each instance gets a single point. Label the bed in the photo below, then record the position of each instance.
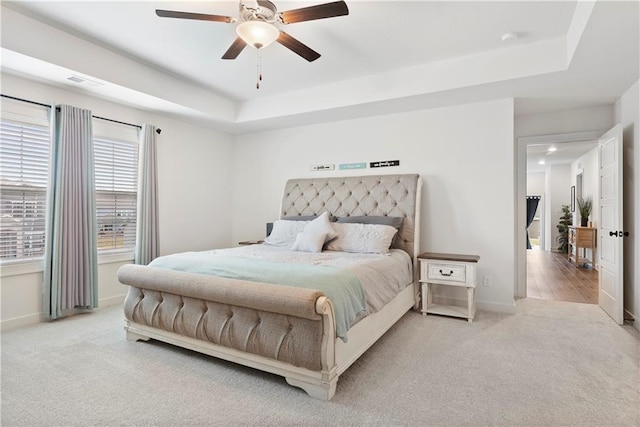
(284, 330)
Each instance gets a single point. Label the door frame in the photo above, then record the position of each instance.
(520, 242)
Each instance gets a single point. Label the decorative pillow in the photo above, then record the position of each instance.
(284, 232)
(322, 224)
(394, 221)
(308, 241)
(362, 238)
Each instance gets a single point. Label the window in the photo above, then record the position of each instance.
(24, 165)
(116, 175)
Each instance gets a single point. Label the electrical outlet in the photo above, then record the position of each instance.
(487, 281)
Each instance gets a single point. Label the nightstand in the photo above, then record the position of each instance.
(448, 270)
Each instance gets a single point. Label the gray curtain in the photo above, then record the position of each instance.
(147, 240)
(71, 255)
(532, 207)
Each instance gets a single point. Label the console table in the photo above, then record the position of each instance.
(585, 238)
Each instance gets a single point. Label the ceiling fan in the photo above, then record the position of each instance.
(257, 29)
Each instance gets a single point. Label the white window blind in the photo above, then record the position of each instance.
(116, 175)
(24, 164)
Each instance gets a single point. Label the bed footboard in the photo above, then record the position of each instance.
(279, 329)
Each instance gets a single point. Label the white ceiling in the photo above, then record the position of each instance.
(540, 157)
(381, 58)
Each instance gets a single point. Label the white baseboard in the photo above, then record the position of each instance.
(33, 319)
(20, 322)
(496, 308)
(480, 305)
(108, 302)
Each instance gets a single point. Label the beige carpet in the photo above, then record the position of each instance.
(553, 363)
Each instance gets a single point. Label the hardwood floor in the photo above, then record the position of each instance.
(551, 276)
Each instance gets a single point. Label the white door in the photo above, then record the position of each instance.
(610, 244)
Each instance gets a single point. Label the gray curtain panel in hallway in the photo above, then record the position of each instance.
(71, 256)
(532, 207)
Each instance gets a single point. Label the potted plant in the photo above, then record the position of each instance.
(584, 207)
(563, 229)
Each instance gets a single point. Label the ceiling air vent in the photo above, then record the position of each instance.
(84, 81)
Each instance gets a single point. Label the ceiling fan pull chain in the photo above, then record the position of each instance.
(259, 70)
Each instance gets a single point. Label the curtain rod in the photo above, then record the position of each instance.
(57, 108)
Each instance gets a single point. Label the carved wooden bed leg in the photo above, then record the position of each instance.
(322, 391)
(325, 387)
(132, 336)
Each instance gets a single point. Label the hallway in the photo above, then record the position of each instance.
(551, 276)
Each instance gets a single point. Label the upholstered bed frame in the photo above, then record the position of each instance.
(279, 329)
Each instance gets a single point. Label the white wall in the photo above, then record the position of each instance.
(193, 173)
(535, 183)
(464, 155)
(587, 164)
(566, 121)
(557, 193)
(627, 112)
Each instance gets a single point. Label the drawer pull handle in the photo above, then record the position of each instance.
(445, 274)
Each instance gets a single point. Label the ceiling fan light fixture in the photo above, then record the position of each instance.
(258, 34)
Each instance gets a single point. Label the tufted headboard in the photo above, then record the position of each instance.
(380, 195)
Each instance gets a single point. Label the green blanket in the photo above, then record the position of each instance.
(341, 286)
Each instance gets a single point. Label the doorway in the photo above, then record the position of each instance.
(552, 162)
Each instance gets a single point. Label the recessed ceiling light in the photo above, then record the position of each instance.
(511, 36)
(552, 149)
(541, 162)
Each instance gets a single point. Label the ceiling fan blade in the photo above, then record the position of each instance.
(189, 15)
(298, 47)
(321, 11)
(235, 49)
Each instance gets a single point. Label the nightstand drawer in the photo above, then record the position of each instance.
(448, 272)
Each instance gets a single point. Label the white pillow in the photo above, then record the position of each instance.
(362, 238)
(284, 232)
(322, 224)
(309, 242)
